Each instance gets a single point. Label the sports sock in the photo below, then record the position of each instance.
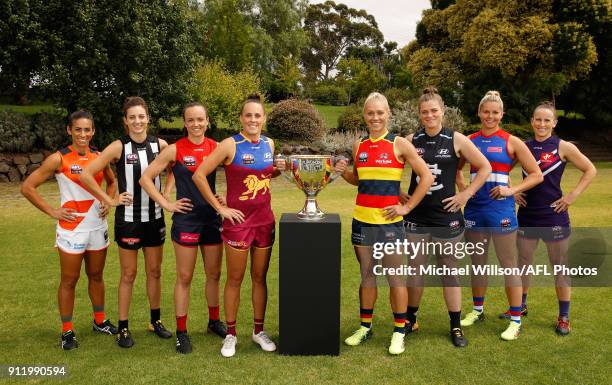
(366, 317)
(515, 314)
(478, 303)
(99, 315)
(231, 327)
(455, 319)
(213, 313)
(181, 324)
(400, 323)
(524, 300)
(258, 325)
(66, 323)
(412, 316)
(123, 324)
(564, 308)
(155, 315)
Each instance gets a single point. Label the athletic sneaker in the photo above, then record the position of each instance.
(217, 327)
(472, 317)
(159, 329)
(105, 327)
(229, 346)
(506, 314)
(512, 332)
(264, 341)
(183, 343)
(124, 339)
(69, 340)
(563, 326)
(412, 327)
(458, 338)
(397, 343)
(360, 335)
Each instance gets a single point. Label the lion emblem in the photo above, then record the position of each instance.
(254, 185)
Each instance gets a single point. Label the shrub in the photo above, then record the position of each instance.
(51, 130)
(328, 94)
(16, 132)
(294, 119)
(397, 96)
(453, 119)
(341, 142)
(405, 118)
(351, 120)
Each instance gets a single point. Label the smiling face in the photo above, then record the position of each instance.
(431, 114)
(82, 131)
(376, 115)
(543, 121)
(252, 118)
(490, 115)
(136, 120)
(196, 121)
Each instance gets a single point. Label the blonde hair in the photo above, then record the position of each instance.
(491, 96)
(377, 96)
(431, 93)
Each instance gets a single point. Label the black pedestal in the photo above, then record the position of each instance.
(309, 286)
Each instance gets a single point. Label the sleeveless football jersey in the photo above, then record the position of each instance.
(248, 181)
(380, 173)
(74, 195)
(189, 156)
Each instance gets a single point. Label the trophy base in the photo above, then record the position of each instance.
(311, 216)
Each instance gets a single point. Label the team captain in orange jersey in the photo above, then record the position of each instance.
(82, 232)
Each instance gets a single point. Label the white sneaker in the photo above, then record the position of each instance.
(264, 341)
(229, 346)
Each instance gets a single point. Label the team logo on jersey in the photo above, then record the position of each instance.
(363, 157)
(237, 244)
(420, 151)
(131, 158)
(494, 149)
(255, 185)
(189, 160)
(189, 237)
(248, 159)
(506, 222)
(130, 241)
(383, 158)
(547, 157)
(76, 169)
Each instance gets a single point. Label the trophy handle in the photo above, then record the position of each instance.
(287, 171)
(334, 160)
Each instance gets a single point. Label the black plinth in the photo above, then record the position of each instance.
(309, 286)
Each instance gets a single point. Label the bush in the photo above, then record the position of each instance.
(294, 119)
(328, 94)
(405, 118)
(453, 119)
(16, 132)
(397, 96)
(341, 142)
(351, 120)
(51, 130)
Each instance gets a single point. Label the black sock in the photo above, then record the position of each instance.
(123, 324)
(155, 314)
(455, 319)
(412, 314)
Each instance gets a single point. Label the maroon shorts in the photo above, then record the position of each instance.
(244, 238)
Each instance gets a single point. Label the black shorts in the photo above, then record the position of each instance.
(452, 229)
(195, 234)
(135, 235)
(367, 234)
(546, 234)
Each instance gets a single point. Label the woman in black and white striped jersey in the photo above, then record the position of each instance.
(139, 220)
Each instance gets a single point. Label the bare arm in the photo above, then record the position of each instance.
(111, 189)
(568, 151)
(525, 158)
(350, 176)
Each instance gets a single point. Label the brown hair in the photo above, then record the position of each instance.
(81, 114)
(547, 105)
(431, 93)
(252, 98)
(133, 101)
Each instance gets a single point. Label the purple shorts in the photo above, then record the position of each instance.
(243, 238)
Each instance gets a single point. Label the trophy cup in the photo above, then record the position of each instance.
(311, 173)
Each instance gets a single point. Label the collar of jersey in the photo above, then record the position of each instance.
(492, 135)
(249, 140)
(384, 135)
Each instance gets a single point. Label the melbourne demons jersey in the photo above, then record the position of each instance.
(248, 181)
(495, 148)
(188, 157)
(439, 153)
(380, 173)
(540, 197)
(135, 157)
(74, 195)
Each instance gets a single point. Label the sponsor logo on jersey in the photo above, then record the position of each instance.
(268, 155)
(237, 244)
(443, 151)
(547, 157)
(130, 241)
(383, 158)
(198, 149)
(420, 151)
(106, 236)
(495, 149)
(248, 159)
(131, 158)
(469, 224)
(384, 155)
(189, 160)
(76, 169)
(506, 222)
(189, 237)
(363, 157)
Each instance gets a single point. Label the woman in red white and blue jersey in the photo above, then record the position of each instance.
(490, 213)
(543, 210)
(195, 224)
(378, 216)
(248, 223)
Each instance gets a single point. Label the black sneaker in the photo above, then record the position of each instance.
(217, 327)
(124, 339)
(105, 327)
(411, 327)
(458, 338)
(563, 326)
(159, 329)
(506, 314)
(69, 340)
(183, 343)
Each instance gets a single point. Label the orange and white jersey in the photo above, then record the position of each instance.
(74, 195)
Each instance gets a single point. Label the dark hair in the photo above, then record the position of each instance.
(80, 114)
(431, 93)
(252, 98)
(188, 106)
(133, 101)
(547, 105)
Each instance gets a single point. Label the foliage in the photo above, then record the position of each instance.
(396, 96)
(223, 92)
(341, 142)
(16, 132)
(358, 78)
(327, 93)
(453, 119)
(286, 80)
(351, 120)
(294, 119)
(405, 118)
(50, 129)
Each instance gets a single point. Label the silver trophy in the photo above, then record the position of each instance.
(311, 173)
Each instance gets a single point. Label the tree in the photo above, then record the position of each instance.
(358, 78)
(332, 29)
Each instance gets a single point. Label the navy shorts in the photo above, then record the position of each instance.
(192, 235)
(453, 229)
(549, 227)
(367, 234)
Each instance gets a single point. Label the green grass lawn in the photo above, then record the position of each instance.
(29, 109)
(29, 317)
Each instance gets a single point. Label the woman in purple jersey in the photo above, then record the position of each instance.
(543, 209)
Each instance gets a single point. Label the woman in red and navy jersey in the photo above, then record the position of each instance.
(82, 232)
(543, 211)
(248, 219)
(378, 216)
(194, 222)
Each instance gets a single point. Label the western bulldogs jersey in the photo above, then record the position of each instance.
(135, 157)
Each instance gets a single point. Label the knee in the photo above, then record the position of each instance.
(69, 281)
(95, 276)
(213, 276)
(154, 273)
(184, 278)
(258, 278)
(235, 280)
(128, 276)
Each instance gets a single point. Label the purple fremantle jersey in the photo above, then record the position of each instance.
(539, 199)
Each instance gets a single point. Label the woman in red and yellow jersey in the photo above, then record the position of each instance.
(378, 216)
(82, 232)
